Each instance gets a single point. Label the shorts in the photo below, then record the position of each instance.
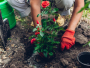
(22, 6)
(63, 6)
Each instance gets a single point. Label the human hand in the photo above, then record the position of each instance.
(67, 40)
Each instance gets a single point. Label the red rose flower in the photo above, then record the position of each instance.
(41, 54)
(37, 22)
(45, 4)
(38, 29)
(36, 33)
(54, 20)
(32, 41)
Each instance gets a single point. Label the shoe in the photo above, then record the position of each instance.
(32, 24)
(60, 20)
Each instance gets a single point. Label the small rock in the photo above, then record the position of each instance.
(70, 66)
(31, 66)
(26, 67)
(7, 48)
(6, 60)
(64, 62)
(87, 33)
(3, 57)
(0, 60)
(1, 49)
(12, 45)
(56, 65)
(80, 38)
(78, 30)
(74, 67)
(84, 26)
(0, 52)
(13, 66)
(45, 66)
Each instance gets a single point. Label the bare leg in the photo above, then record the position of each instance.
(76, 16)
(35, 10)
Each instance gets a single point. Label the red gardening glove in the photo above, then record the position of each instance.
(68, 39)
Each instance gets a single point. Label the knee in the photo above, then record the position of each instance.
(67, 3)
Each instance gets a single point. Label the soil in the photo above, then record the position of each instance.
(20, 51)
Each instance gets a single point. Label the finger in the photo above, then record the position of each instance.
(70, 45)
(62, 46)
(67, 46)
(73, 42)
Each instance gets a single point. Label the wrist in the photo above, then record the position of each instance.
(71, 28)
(69, 32)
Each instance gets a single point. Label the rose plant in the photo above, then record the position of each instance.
(44, 38)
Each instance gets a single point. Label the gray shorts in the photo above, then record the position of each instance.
(23, 6)
(63, 6)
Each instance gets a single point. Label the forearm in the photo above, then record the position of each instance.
(75, 17)
(35, 10)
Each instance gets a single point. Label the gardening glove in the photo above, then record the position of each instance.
(20, 6)
(68, 39)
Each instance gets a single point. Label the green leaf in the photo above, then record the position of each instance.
(46, 27)
(38, 15)
(51, 53)
(34, 29)
(41, 33)
(89, 44)
(45, 50)
(46, 12)
(81, 10)
(9, 39)
(45, 54)
(61, 28)
(44, 23)
(56, 26)
(49, 19)
(41, 50)
(56, 42)
(42, 29)
(32, 36)
(34, 51)
(40, 26)
(85, 44)
(54, 47)
(55, 10)
(41, 14)
(85, 7)
(37, 47)
(53, 32)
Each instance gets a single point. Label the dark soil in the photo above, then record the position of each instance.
(21, 54)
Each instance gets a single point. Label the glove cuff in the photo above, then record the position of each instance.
(69, 32)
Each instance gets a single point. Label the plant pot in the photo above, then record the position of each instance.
(84, 59)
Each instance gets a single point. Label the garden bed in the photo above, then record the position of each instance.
(19, 50)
